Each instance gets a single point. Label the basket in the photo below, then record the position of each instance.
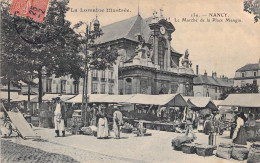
(254, 154)
(188, 148)
(224, 151)
(178, 141)
(239, 153)
(204, 150)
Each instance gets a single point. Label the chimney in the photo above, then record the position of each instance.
(205, 73)
(214, 75)
(197, 69)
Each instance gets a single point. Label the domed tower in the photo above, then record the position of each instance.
(96, 24)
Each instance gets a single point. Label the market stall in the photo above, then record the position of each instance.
(92, 98)
(157, 109)
(249, 104)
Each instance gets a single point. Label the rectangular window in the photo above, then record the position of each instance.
(48, 85)
(76, 87)
(103, 74)
(243, 74)
(94, 88)
(111, 88)
(94, 73)
(255, 82)
(103, 89)
(63, 86)
(216, 89)
(255, 73)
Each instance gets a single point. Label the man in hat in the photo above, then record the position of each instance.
(59, 115)
(117, 121)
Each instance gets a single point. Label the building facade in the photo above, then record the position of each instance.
(211, 86)
(147, 63)
(249, 73)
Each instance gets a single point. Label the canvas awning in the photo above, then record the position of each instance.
(113, 99)
(49, 97)
(4, 95)
(163, 100)
(24, 98)
(200, 102)
(242, 100)
(92, 97)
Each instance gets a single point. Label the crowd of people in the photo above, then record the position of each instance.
(242, 129)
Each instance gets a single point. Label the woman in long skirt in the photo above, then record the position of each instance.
(240, 135)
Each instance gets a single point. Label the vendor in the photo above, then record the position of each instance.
(208, 126)
(250, 123)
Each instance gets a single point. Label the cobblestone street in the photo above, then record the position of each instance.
(29, 151)
(12, 152)
(82, 148)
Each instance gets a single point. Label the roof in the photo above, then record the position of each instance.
(242, 100)
(164, 99)
(249, 67)
(113, 99)
(24, 98)
(129, 29)
(49, 97)
(122, 29)
(209, 80)
(78, 98)
(200, 102)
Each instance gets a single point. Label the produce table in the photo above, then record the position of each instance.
(162, 126)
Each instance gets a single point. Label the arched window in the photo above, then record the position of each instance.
(161, 52)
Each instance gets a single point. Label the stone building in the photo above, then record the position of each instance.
(250, 73)
(148, 64)
(211, 86)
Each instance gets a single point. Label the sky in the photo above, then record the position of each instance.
(222, 47)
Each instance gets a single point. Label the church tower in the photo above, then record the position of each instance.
(161, 31)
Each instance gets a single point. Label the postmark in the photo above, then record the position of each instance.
(34, 9)
(37, 32)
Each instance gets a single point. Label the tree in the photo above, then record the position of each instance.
(42, 48)
(96, 57)
(253, 7)
(247, 88)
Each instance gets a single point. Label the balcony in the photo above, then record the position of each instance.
(111, 80)
(103, 79)
(94, 78)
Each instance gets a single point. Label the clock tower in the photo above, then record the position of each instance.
(160, 39)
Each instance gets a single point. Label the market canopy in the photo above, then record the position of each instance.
(49, 97)
(92, 97)
(163, 100)
(4, 95)
(200, 102)
(242, 100)
(113, 99)
(24, 98)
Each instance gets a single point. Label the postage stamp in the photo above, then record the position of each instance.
(35, 9)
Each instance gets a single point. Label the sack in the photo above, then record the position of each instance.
(239, 153)
(254, 154)
(224, 151)
(204, 150)
(188, 148)
(86, 131)
(178, 141)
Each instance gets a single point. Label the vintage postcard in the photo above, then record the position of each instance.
(130, 81)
